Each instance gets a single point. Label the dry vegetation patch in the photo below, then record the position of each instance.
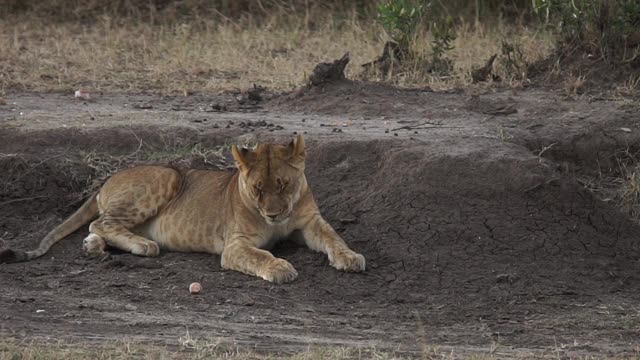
(200, 349)
(211, 55)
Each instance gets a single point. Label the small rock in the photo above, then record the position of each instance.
(130, 307)
(53, 284)
(625, 129)
(195, 288)
(255, 94)
(216, 107)
(507, 278)
(83, 94)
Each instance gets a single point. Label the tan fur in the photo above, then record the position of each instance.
(236, 215)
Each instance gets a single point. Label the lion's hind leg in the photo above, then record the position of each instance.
(117, 234)
(119, 217)
(128, 200)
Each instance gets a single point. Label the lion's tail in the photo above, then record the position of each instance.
(86, 212)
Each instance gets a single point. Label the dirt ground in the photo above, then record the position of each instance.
(477, 234)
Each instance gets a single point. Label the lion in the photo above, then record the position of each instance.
(238, 215)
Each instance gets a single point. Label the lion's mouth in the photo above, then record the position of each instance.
(277, 219)
(271, 221)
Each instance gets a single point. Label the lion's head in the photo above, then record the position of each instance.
(272, 177)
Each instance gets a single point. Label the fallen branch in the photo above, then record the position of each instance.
(22, 199)
(416, 126)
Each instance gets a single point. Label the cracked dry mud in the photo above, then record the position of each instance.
(471, 238)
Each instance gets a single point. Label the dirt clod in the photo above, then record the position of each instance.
(483, 73)
(7, 256)
(328, 72)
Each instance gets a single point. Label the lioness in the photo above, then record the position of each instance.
(235, 214)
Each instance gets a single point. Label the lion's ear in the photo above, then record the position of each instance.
(296, 148)
(240, 156)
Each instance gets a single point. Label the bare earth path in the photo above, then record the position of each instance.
(473, 241)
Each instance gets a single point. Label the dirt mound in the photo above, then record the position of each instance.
(459, 224)
(347, 97)
(36, 188)
(478, 235)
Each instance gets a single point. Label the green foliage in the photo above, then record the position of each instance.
(627, 18)
(444, 35)
(599, 25)
(400, 19)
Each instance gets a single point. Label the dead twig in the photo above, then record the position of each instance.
(545, 148)
(423, 126)
(411, 127)
(19, 200)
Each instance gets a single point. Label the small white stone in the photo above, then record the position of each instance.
(195, 288)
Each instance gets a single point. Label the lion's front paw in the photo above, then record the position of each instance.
(348, 260)
(279, 271)
(93, 246)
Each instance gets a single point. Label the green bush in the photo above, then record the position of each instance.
(443, 31)
(400, 19)
(599, 26)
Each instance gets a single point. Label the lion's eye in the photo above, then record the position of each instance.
(257, 191)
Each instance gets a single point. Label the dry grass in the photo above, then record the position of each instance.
(11, 349)
(620, 184)
(104, 165)
(630, 87)
(626, 184)
(574, 84)
(208, 55)
(187, 349)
